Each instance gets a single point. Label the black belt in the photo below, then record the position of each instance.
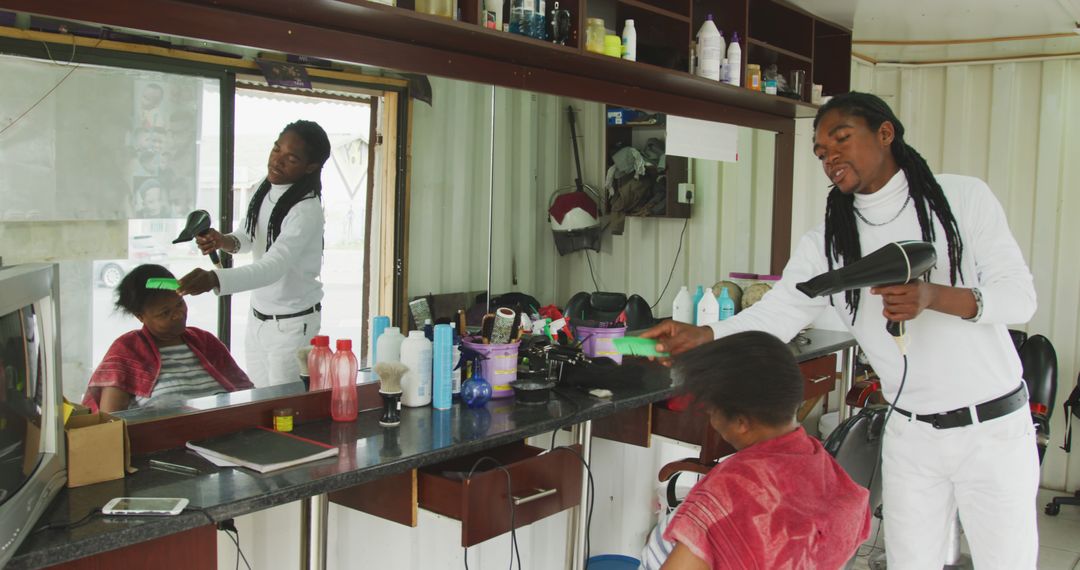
(265, 317)
(986, 411)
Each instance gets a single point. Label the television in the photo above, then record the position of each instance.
(32, 460)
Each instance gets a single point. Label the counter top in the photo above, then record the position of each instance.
(367, 451)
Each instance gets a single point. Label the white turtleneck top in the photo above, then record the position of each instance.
(285, 278)
(952, 362)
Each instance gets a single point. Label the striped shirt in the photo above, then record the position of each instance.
(182, 377)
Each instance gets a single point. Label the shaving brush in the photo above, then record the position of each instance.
(390, 374)
(301, 361)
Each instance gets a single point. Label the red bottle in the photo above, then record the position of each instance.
(344, 406)
(318, 363)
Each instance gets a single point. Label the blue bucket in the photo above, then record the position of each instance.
(612, 562)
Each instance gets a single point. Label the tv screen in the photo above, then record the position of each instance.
(20, 399)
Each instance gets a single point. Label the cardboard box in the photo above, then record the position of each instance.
(97, 449)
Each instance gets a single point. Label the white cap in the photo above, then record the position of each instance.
(416, 334)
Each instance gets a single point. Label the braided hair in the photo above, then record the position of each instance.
(841, 232)
(317, 149)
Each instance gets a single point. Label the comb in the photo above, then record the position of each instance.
(168, 283)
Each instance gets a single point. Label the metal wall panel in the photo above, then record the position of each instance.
(1014, 125)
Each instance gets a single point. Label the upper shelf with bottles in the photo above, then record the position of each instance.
(771, 33)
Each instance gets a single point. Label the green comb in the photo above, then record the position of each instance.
(637, 346)
(168, 283)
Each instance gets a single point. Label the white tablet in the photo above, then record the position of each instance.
(144, 506)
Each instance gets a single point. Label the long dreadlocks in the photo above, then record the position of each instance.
(317, 148)
(841, 232)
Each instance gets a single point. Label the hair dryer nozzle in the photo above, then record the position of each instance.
(892, 264)
(198, 222)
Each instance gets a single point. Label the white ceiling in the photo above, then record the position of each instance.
(950, 20)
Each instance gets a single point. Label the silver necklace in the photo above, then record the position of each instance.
(901, 211)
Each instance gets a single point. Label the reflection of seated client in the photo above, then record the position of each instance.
(166, 361)
(780, 501)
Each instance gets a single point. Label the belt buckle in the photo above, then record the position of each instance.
(956, 418)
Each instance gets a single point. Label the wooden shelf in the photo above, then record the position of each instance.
(780, 50)
(655, 10)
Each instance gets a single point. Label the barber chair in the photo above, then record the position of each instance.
(604, 306)
(1072, 408)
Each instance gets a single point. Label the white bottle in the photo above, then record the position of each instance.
(682, 309)
(734, 57)
(416, 384)
(629, 41)
(388, 347)
(491, 14)
(708, 41)
(708, 309)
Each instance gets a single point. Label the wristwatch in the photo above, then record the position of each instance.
(978, 305)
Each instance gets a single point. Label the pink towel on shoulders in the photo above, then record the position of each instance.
(133, 363)
(781, 504)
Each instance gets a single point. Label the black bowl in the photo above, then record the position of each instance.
(530, 392)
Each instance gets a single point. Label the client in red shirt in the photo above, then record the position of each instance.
(781, 501)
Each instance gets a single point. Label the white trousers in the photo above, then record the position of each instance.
(989, 471)
(271, 347)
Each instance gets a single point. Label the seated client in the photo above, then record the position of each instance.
(781, 501)
(164, 362)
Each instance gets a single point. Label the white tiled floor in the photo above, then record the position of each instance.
(1059, 538)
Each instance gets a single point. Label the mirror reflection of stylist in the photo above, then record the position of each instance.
(284, 232)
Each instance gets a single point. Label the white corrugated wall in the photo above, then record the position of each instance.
(1014, 125)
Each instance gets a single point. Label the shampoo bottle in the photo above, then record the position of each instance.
(708, 309)
(682, 309)
(442, 366)
(708, 41)
(629, 41)
(697, 300)
(378, 327)
(388, 348)
(416, 384)
(727, 304)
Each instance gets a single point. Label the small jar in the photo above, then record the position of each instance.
(594, 35)
(612, 45)
(283, 419)
(753, 76)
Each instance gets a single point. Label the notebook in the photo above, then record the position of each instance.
(262, 449)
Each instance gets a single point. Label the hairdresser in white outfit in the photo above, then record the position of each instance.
(284, 232)
(961, 437)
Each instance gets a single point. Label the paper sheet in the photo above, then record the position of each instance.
(694, 138)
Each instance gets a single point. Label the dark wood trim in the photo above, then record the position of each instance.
(169, 433)
(373, 34)
(369, 201)
(655, 10)
(783, 179)
(393, 498)
(787, 52)
(195, 548)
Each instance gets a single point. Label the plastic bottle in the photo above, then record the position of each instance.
(491, 14)
(442, 364)
(697, 300)
(318, 363)
(344, 405)
(416, 384)
(521, 16)
(378, 327)
(734, 57)
(629, 41)
(538, 22)
(456, 368)
(682, 309)
(708, 309)
(388, 349)
(708, 41)
(727, 304)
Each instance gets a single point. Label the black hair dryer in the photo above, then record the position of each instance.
(894, 264)
(198, 223)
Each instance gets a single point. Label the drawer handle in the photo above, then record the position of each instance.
(539, 494)
(821, 379)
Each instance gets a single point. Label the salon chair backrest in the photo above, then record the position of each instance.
(856, 444)
(1039, 360)
(606, 306)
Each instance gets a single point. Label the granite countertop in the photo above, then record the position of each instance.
(367, 451)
